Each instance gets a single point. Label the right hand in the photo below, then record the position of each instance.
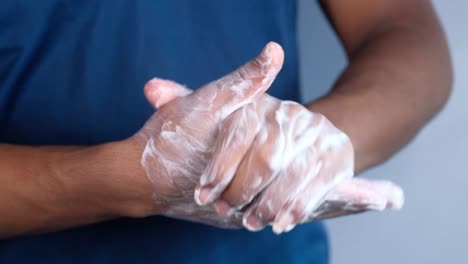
(179, 137)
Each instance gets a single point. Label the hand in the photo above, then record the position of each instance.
(179, 137)
(281, 154)
(350, 197)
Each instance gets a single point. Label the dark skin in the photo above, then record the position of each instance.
(399, 76)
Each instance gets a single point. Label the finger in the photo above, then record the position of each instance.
(264, 210)
(291, 181)
(224, 96)
(270, 152)
(357, 196)
(378, 194)
(265, 158)
(336, 209)
(299, 159)
(336, 164)
(296, 209)
(350, 197)
(159, 92)
(235, 136)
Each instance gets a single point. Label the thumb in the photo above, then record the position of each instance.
(159, 92)
(242, 86)
(376, 194)
(357, 196)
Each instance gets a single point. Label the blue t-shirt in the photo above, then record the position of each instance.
(72, 72)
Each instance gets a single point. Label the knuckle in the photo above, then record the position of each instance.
(290, 107)
(321, 119)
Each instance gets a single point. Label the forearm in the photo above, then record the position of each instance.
(396, 81)
(50, 188)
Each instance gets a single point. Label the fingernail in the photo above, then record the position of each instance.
(283, 223)
(252, 223)
(269, 47)
(265, 57)
(289, 228)
(397, 199)
(266, 49)
(203, 195)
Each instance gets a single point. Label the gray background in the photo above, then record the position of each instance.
(432, 227)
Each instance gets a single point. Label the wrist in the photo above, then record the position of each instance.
(347, 113)
(105, 181)
(136, 190)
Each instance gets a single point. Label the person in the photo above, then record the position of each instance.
(90, 173)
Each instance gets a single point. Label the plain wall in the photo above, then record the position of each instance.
(432, 227)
